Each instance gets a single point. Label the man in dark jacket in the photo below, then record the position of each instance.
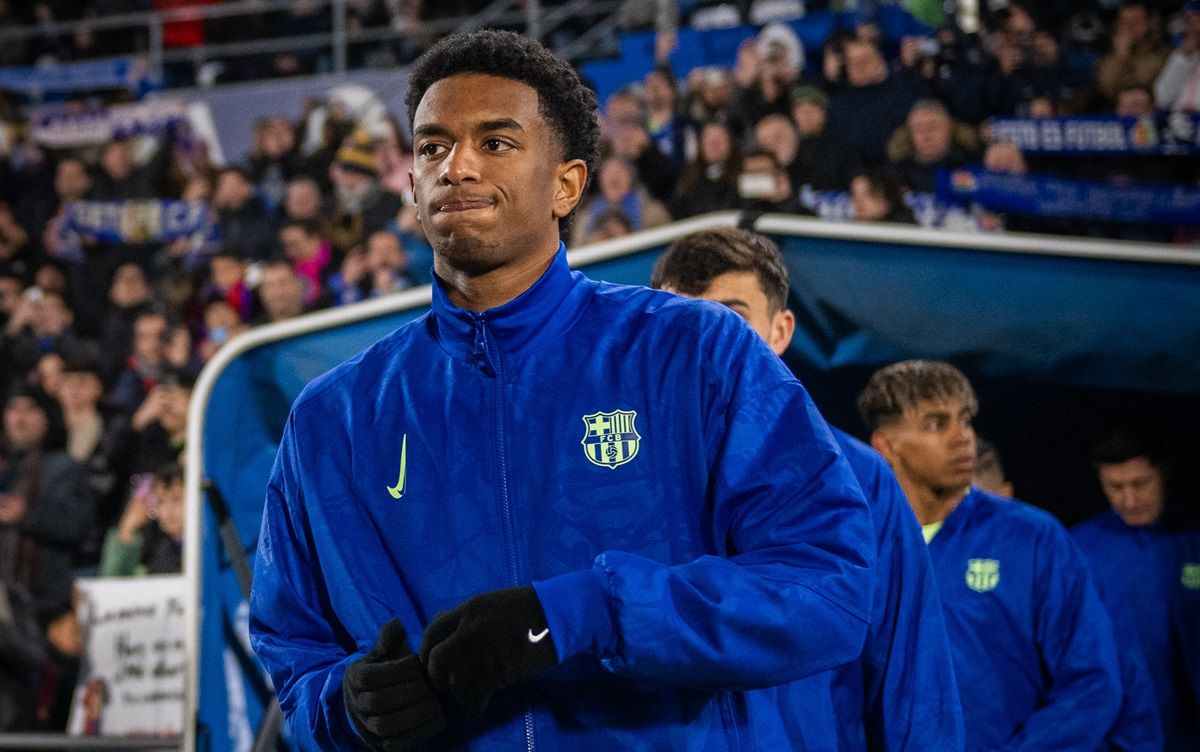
(46, 506)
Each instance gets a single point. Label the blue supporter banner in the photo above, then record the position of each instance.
(58, 128)
(927, 209)
(139, 221)
(1164, 133)
(33, 81)
(1071, 199)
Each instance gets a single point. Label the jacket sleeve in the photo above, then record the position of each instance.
(290, 630)
(912, 700)
(786, 595)
(1075, 638)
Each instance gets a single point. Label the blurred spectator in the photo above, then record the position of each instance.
(145, 362)
(777, 134)
(281, 292)
(72, 181)
(274, 157)
(59, 672)
(1005, 157)
(709, 182)
(303, 200)
(303, 18)
(877, 196)
(619, 189)
(227, 281)
(245, 223)
(41, 323)
(764, 186)
(871, 105)
(623, 130)
(180, 352)
(1134, 101)
(48, 374)
(17, 254)
(824, 160)
(362, 206)
(159, 427)
(11, 288)
(148, 539)
(221, 324)
(609, 225)
(387, 265)
(768, 67)
(669, 129)
(709, 95)
(128, 297)
(1178, 85)
(93, 435)
(21, 655)
(120, 178)
(1138, 54)
(929, 141)
(310, 254)
(944, 66)
(46, 507)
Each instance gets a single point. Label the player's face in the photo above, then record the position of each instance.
(742, 293)
(1134, 489)
(488, 178)
(932, 446)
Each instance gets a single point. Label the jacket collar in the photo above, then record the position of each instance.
(537, 316)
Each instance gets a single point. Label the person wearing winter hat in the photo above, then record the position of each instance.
(362, 206)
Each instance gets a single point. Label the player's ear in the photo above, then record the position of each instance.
(783, 326)
(881, 441)
(570, 178)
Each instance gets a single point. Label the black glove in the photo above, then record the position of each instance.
(388, 696)
(487, 643)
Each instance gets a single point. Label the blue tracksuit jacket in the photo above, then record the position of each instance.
(645, 461)
(900, 694)
(1032, 643)
(1140, 571)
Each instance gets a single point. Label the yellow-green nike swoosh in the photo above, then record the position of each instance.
(398, 490)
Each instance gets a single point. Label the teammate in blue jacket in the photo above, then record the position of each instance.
(900, 693)
(1032, 644)
(1139, 553)
(552, 513)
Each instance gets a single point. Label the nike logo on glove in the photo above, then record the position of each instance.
(536, 638)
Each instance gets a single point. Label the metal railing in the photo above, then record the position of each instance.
(531, 16)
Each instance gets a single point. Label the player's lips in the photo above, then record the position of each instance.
(464, 204)
(964, 464)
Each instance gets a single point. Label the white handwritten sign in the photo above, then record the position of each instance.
(132, 678)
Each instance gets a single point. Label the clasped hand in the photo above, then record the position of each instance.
(399, 699)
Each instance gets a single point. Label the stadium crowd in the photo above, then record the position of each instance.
(103, 338)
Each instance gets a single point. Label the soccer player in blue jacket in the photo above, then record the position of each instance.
(552, 513)
(1033, 647)
(1139, 553)
(900, 694)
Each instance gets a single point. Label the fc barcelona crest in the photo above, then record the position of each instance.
(610, 439)
(983, 574)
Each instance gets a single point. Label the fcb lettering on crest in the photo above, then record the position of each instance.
(610, 439)
(983, 574)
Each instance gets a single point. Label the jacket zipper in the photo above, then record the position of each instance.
(491, 353)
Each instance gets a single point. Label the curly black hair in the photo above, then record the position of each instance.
(566, 103)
